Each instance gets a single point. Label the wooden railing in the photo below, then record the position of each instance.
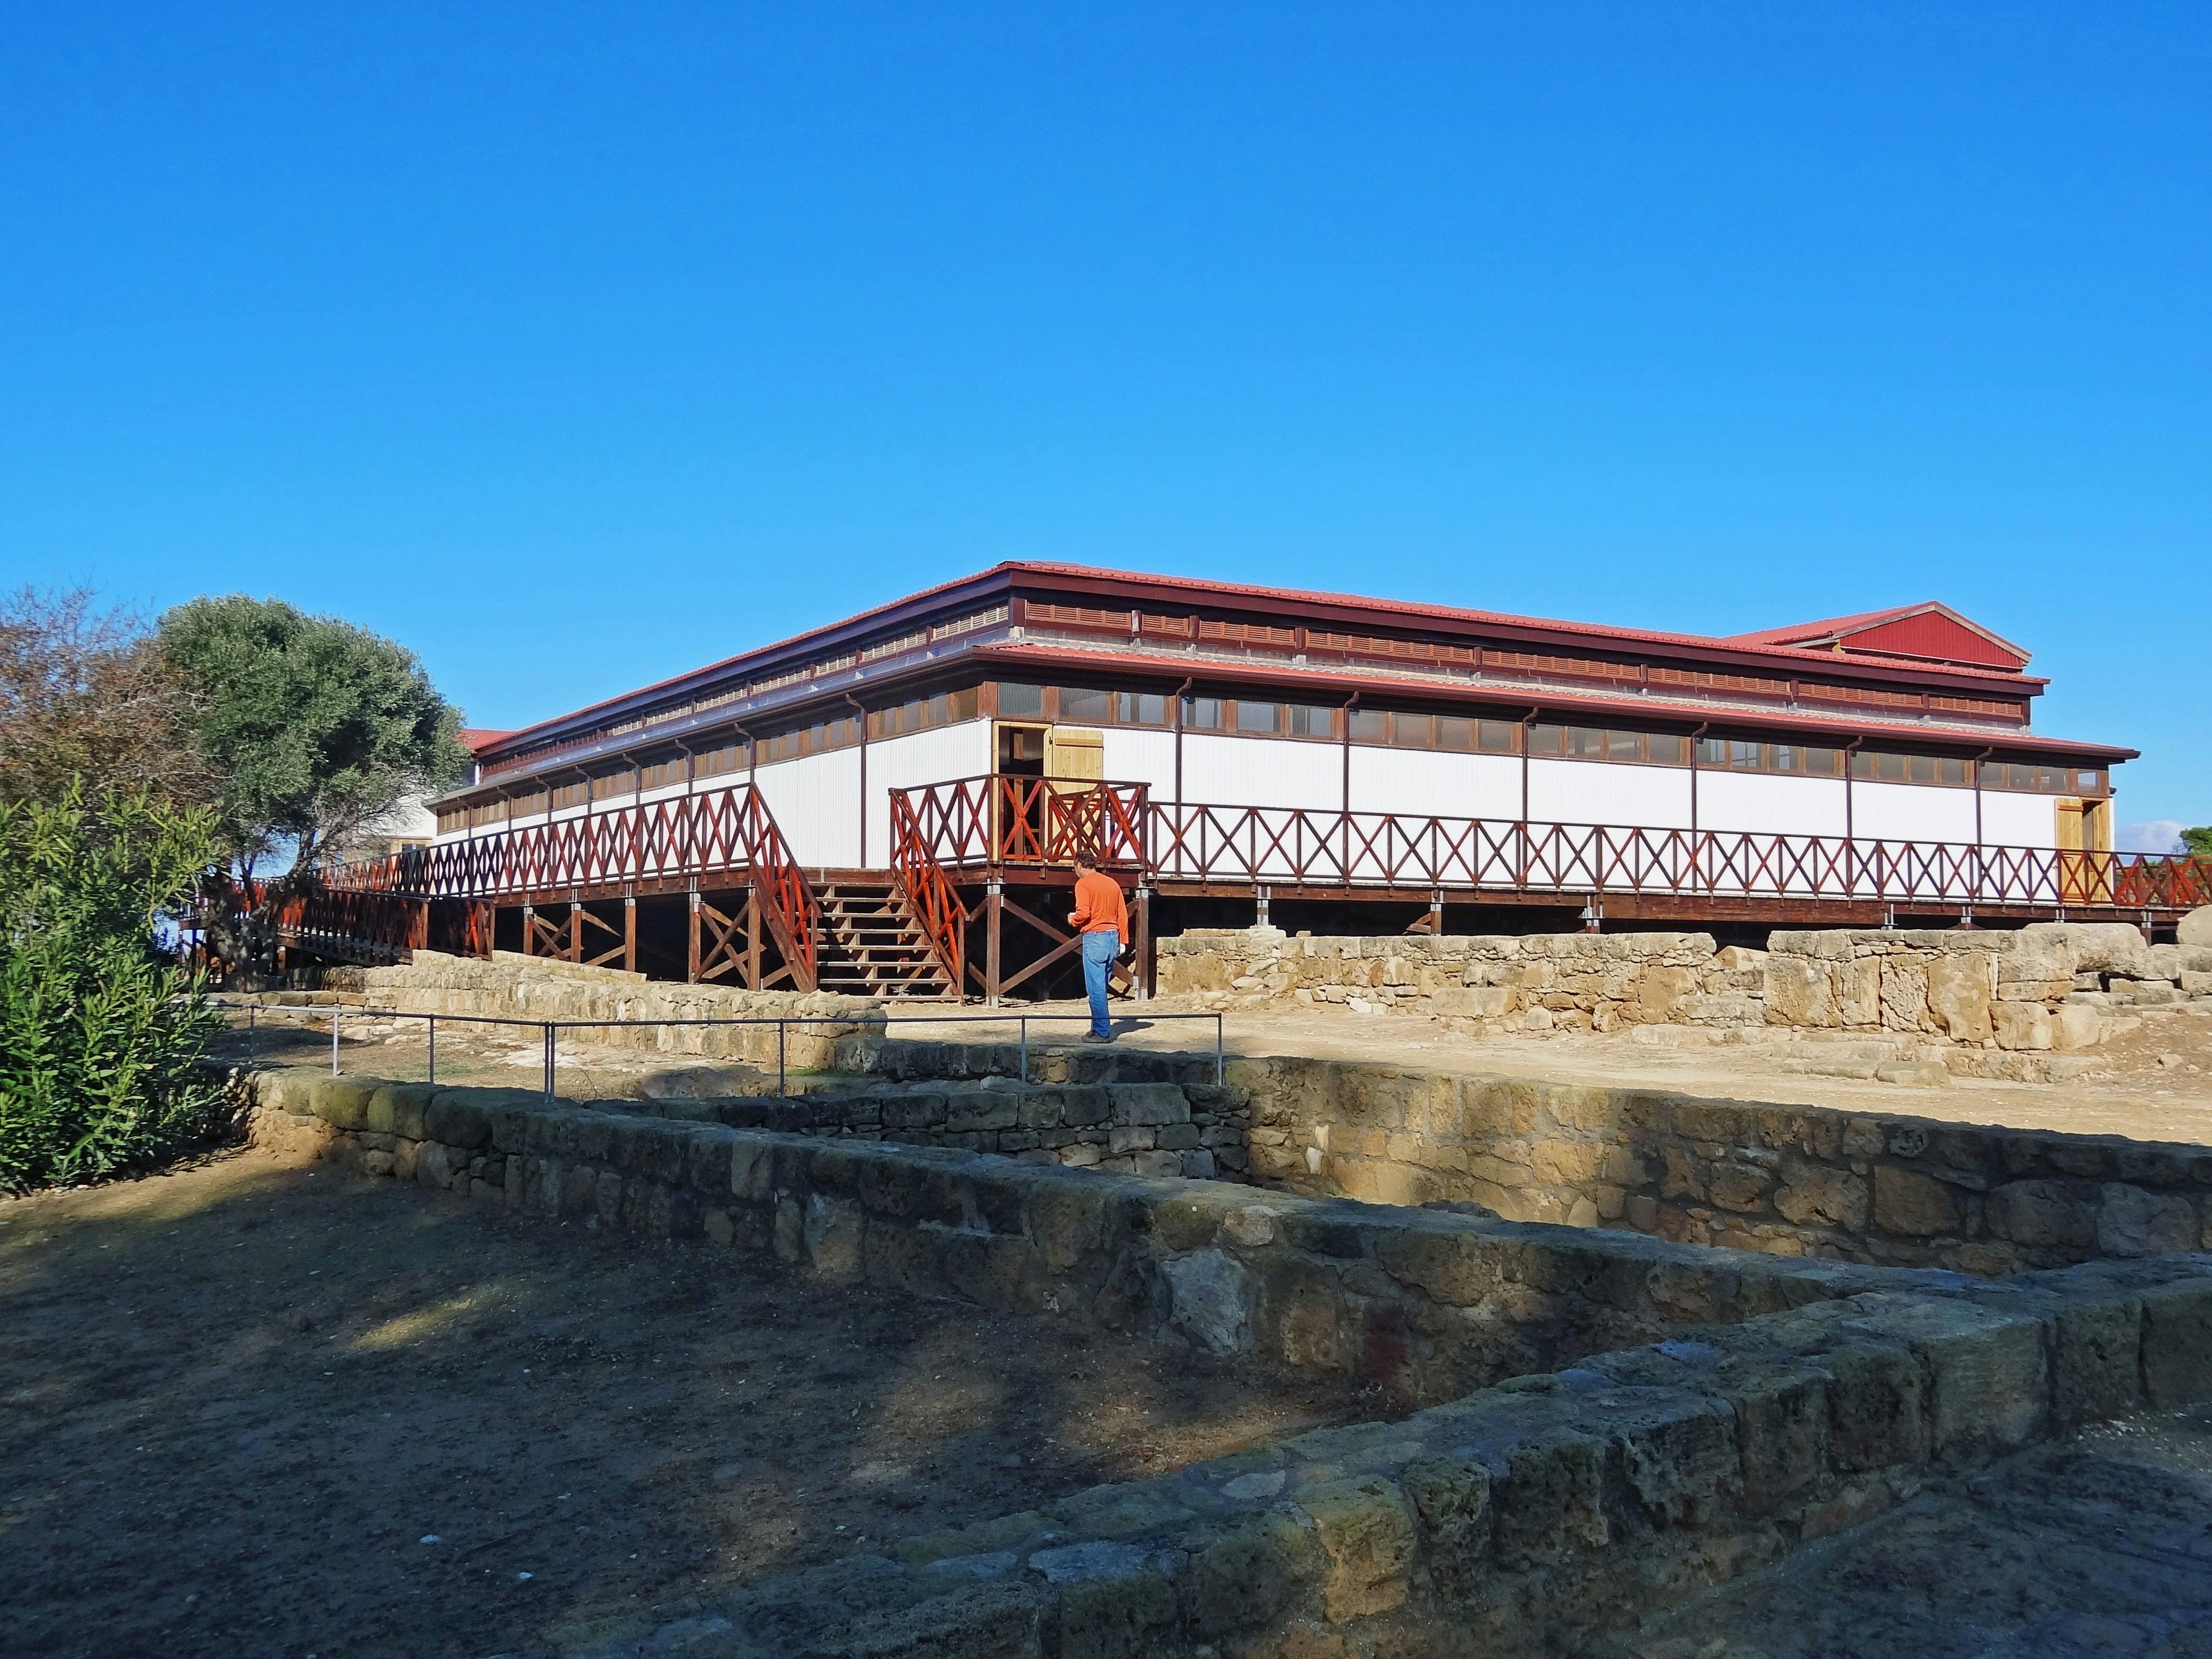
(717, 831)
(930, 895)
(1294, 847)
(1001, 819)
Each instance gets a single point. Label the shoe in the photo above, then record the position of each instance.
(1093, 1037)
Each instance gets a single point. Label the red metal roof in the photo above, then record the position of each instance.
(1930, 632)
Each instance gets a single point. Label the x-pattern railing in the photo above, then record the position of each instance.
(1292, 846)
(718, 831)
(1002, 819)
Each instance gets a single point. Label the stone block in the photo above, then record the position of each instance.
(2074, 1026)
(2096, 1369)
(1149, 1104)
(2041, 1215)
(1800, 990)
(1814, 1194)
(1115, 1600)
(1959, 987)
(397, 1108)
(458, 1118)
(1365, 1527)
(1986, 1369)
(2131, 1222)
(1246, 1574)
(2022, 1025)
(1678, 1453)
(1552, 1499)
(1915, 1206)
(342, 1102)
(1875, 1419)
(1782, 1428)
(2177, 1343)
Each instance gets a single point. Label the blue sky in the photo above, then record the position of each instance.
(577, 345)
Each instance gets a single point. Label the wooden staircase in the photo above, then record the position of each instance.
(872, 947)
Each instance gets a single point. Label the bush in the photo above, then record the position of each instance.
(100, 1037)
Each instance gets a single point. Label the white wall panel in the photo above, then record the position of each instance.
(1139, 756)
(1429, 784)
(942, 755)
(816, 801)
(2016, 820)
(1219, 771)
(1769, 805)
(1907, 812)
(1596, 792)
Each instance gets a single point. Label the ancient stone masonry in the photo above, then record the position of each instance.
(1778, 1179)
(1613, 1422)
(1432, 1302)
(1538, 983)
(2048, 985)
(1544, 1515)
(511, 986)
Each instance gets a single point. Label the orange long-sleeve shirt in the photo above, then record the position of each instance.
(1099, 905)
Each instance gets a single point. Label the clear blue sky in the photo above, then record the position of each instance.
(578, 345)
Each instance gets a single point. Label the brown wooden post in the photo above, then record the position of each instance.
(992, 904)
(691, 969)
(752, 937)
(575, 930)
(630, 933)
(1141, 964)
(488, 926)
(529, 929)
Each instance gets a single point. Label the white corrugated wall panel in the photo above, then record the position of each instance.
(1598, 792)
(1136, 755)
(942, 755)
(1429, 784)
(2018, 820)
(1910, 812)
(1219, 771)
(816, 802)
(1769, 805)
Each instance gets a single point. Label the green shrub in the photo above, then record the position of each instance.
(100, 1035)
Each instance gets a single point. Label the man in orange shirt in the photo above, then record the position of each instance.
(1103, 918)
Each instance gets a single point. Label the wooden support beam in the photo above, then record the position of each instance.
(993, 901)
(1142, 959)
(691, 958)
(575, 931)
(752, 937)
(629, 934)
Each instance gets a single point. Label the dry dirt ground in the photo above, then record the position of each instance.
(258, 1407)
(2099, 1547)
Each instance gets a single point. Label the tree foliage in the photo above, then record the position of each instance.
(100, 1037)
(2199, 841)
(317, 727)
(85, 695)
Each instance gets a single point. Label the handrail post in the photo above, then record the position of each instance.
(433, 1047)
(334, 1041)
(781, 1089)
(1218, 1072)
(549, 1061)
(1026, 1049)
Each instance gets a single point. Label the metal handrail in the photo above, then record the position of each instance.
(548, 1027)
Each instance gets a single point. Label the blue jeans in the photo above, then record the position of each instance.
(1099, 950)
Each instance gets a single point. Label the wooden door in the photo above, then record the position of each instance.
(2082, 879)
(1074, 754)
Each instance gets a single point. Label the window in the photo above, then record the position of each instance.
(1369, 725)
(1496, 736)
(1713, 751)
(1413, 731)
(1546, 739)
(1021, 701)
(1454, 731)
(451, 819)
(1585, 742)
(1667, 748)
(1624, 746)
(1307, 721)
(1202, 714)
(1092, 708)
(1140, 708)
(1258, 717)
(1824, 763)
(1950, 769)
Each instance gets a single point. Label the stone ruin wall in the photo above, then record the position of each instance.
(1561, 1480)
(511, 986)
(1959, 999)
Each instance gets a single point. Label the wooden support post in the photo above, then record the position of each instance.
(1140, 961)
(691, 968)
(630, 933)
(993, 901)
(529, 928)
(752, 937)
(575, 930)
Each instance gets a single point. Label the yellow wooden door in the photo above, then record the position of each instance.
(1074, 754)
